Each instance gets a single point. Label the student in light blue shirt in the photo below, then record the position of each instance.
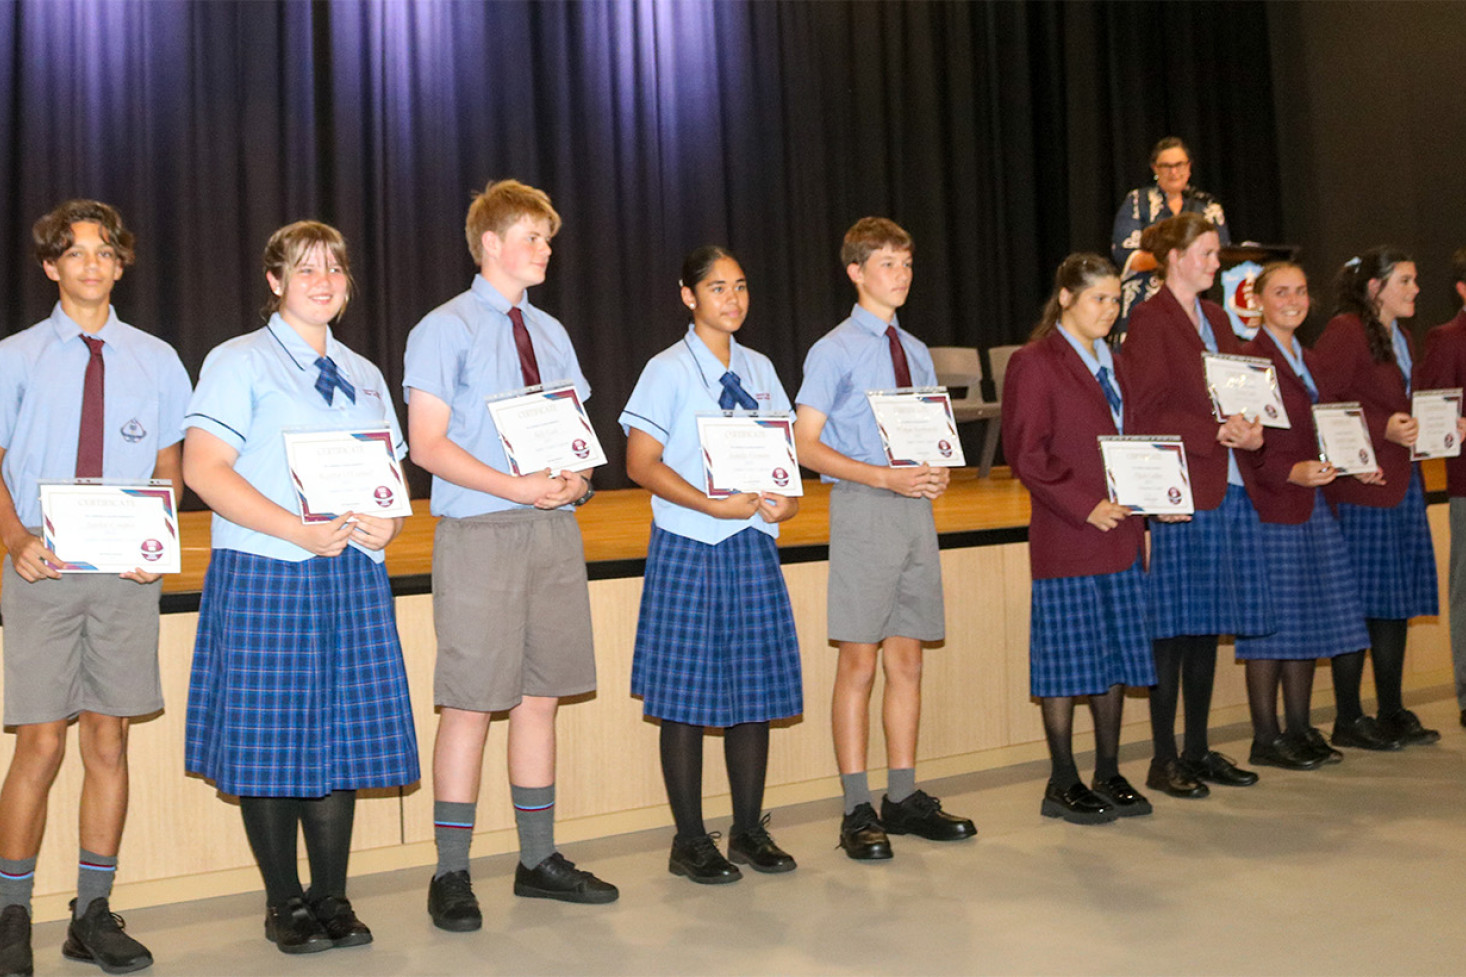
(82, 395)
(298, 696)
(885, 591)
(715, 641)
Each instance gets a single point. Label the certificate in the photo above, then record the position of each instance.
(1343, 438)
(917, 427)
(1246, 385)
(1437, 411)
(545, 427)
(748, 452)
(346, 471)
(1148, 474)
(97, 528)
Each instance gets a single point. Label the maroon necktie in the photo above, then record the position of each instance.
(898, 358)
(89, 437)
(528, 365)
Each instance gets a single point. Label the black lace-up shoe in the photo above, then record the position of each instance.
(97, 938)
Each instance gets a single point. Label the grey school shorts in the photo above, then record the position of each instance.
(511, 609)
(85, 643)
(885, 568)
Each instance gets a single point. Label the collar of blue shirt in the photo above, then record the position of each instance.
(708, 363)
(300, 351)
(871, 322)
(66, 327)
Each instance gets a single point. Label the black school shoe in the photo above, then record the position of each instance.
(1218, 768)
(921, 814)
(293, 928)
(1285, 753)
(862, 836)
(1171, 778)
(699, 860)
(558, 878)
(97, 938)
(452, 904)
(1125, 799)
(15, 943)
(1320, 746)
(756, 849)
(339, 921)
(1405, 727)
(1076, 804)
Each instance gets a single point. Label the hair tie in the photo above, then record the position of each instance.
(1352, 264)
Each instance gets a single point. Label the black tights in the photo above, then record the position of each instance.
(1387, 655)
(1058, 715)
(1263, 677)
(745, 751)
(1185, 666)
(271, 824)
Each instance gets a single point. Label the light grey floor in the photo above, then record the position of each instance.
(1353, 869)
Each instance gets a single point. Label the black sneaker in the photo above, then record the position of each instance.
(698, 859)
(339, 921)
(15, 942)
(862, 836)
(452, 904)
(757, 850)
(921, 814)
(558, 878)
(98, 938)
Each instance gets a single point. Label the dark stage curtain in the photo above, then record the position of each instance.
(1002, 135)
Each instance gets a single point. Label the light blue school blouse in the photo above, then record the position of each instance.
(463, 353)
(678, 383)
(42, 371)
(254, 388)
(849, 360)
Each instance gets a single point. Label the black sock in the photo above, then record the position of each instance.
(1198, 674)
(326, 823)
(1163, 696)
(1106, 710)
(746, 752)
(1298, 696)
(1387, 655)
(271, 824)
(1263, 675)
(1058, 716)
(1348, 673)
(682, 773)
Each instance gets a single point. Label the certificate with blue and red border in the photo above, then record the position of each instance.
(917, 427)
(1147, 474)
(545, 427)
(335, 472)
(109, 527)
(746, 451)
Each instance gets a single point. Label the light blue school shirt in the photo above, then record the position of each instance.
(847, 361)
(1209, 340)
(42, 372)
(256, 387)
(678, 383)
(1101, 357)
(463, 353)
(1293, 353)
(1402, 354)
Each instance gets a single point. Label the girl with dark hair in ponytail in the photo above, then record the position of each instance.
(1088, 634)
(1367, 357)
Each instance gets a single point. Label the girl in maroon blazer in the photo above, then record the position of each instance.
(1309, 574)
(1087, 635)
(1366, 356)
(1206, 572)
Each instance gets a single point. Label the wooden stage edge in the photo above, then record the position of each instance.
(616, 526)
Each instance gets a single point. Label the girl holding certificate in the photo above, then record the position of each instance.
(1087, 635)
(1205, 572)
(1308, 571)
(298, 696)
(1366, 356)
(715, 644)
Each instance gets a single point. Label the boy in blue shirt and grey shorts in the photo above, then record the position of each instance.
(82, 395)
(885, 586)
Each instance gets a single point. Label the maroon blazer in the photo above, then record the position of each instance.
(1277, 499)
(1444, 365)
(1162, 354)
(1344, 363)
(1053, 409)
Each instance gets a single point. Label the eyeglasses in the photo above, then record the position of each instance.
(1172, 166)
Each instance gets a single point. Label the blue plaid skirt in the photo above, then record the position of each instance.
(1392, 556)
(1206, 575)
(1315, 597)
(715, 644)
(1086, 634)
(298, 687)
